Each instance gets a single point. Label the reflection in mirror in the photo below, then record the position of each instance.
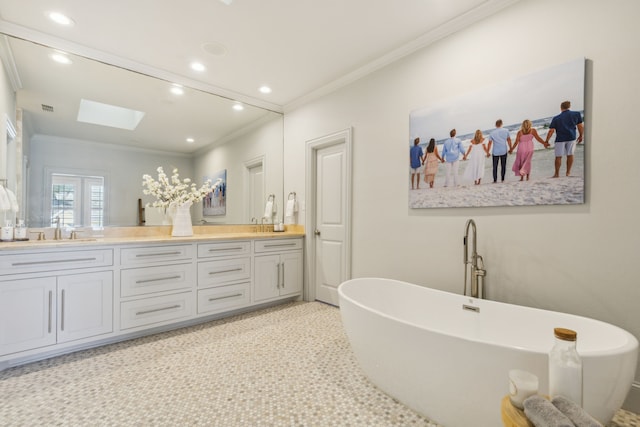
(88, 171)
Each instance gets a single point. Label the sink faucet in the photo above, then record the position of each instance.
(477, 271)
(58, 232)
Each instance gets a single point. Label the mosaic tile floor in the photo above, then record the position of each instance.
(289, 365)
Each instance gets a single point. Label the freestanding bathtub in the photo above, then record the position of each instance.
(447, 356)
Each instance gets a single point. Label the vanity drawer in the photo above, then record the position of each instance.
(151, 254)
(220, 249)
(55, 261)
(213, 273)
(152, 310)
(214, 300)
(277, 245)
(146, 280)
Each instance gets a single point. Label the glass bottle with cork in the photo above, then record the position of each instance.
(565, 366)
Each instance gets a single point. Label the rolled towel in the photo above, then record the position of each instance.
(542, 413)
(574, 412)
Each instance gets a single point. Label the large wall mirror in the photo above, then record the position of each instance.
(66, 142)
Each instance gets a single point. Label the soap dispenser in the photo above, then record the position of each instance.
(20, 232)
(6, 234)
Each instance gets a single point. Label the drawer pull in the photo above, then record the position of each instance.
(155, 310)
(226, 249)
(225, 271)
(225, 297)
(50, 308)
(62, 313)
(279, 245)
(54, 261)
(157, 280)
(159, 254)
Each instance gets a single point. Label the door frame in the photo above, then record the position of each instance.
(340, 137)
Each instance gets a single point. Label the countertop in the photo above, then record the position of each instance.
(150, 234)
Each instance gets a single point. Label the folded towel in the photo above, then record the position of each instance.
(291, 207)
(13, 201)
(268, 209)
(574, 412)
(542, 413)
(5, 203)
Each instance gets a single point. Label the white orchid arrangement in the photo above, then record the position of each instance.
(173, 191)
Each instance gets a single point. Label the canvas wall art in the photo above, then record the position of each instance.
(508, 145)
(215, 203)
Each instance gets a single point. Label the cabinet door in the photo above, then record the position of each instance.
(266, 281)
(27, 314)
(291, 265)
(85, 305)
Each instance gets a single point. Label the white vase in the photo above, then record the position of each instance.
(182, 221)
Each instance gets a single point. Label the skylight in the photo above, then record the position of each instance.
(108, 115)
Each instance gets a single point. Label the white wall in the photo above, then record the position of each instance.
(579, 259)
(122, 167)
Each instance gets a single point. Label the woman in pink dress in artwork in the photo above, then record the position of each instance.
(524, 142)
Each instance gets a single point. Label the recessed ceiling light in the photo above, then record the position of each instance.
(265, 89)
(191, 140)
(61, 58)
(238, 107)
(60, 18)
(196, 66)
(176, 89)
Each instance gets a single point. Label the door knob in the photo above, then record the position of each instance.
(317, 232)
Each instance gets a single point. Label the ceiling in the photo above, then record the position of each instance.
(299, 48)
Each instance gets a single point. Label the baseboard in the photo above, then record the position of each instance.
(632, 403)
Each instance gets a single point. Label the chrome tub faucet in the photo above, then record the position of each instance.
(476, 263)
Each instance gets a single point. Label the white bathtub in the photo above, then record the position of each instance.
(451, 364)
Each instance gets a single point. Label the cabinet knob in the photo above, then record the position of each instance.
(317, 232)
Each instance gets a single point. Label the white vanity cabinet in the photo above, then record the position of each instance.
(27, 314)
(156, 285)
(277, 269)
(224, 276)
(59, 302)
(64, 296)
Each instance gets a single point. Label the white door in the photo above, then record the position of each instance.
(254, 190)
(331, 212)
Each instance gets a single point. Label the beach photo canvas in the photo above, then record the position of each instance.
(215, 203)
(529, 176)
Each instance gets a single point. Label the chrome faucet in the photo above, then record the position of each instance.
(58, 232)
(477, 263)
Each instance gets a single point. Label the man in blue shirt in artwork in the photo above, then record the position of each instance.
(451, 151)
(564, 125)
(498, 138)
(415, 163)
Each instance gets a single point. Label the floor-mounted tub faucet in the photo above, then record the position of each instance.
(477, 271)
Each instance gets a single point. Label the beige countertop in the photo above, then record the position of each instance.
(151, 234)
